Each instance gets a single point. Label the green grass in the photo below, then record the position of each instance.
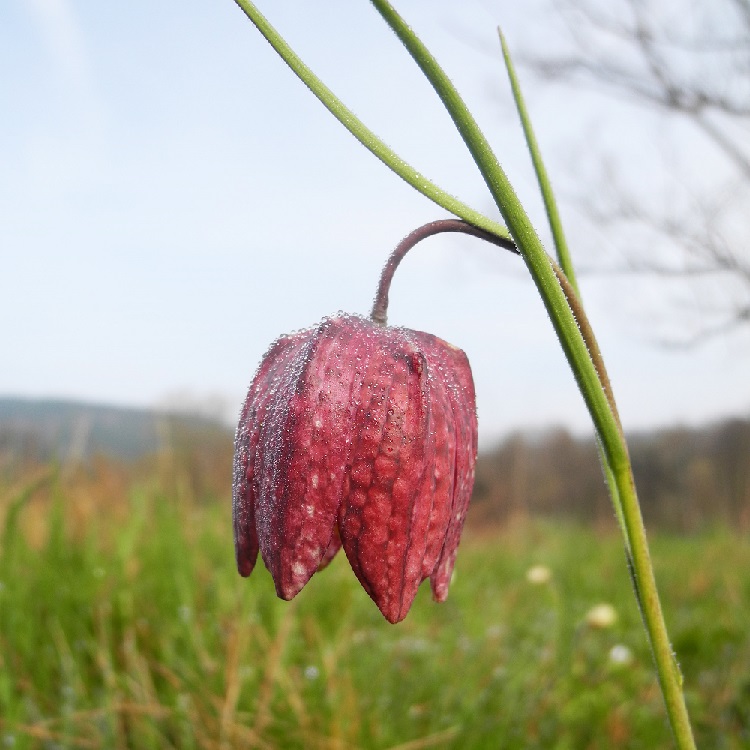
(128, 627)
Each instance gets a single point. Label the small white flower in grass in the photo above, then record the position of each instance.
(312, 672)
(538, 575)
(620, 655)
(601, 616)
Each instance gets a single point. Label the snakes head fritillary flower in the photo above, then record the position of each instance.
(360, 436)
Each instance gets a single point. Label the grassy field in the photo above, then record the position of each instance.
(123, 624)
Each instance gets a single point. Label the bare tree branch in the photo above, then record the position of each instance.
(691, 62)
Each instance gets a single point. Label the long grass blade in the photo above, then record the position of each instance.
(545, 186)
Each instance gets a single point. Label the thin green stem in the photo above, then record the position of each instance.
(592, 344)
(584, 370)
(362, 133)
(550, 205)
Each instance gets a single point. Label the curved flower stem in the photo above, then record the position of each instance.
(362, 133)
(584, 370)
(379, 312)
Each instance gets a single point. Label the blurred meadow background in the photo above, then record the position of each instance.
(172, 199)
(124, 624)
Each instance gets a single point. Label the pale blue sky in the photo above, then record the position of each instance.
(172, 199)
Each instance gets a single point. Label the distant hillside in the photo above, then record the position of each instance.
(75, 430)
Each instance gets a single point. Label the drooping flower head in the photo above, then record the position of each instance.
(359, 436)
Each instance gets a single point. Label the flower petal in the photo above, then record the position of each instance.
(384, 489)
(245, 478)
(305, 445)
(443, 475)
(454, 371)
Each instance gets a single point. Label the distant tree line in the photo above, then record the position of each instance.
(687, 479)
